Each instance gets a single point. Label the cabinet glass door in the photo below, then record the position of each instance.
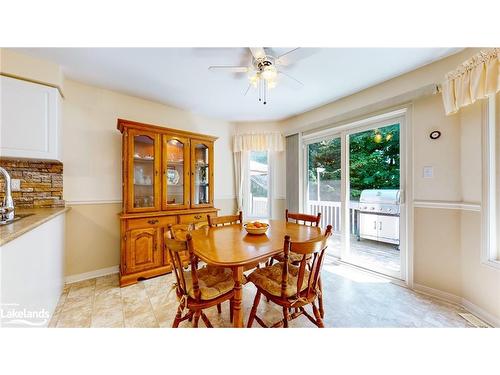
(201, 173)
(144, 182)
(175, 172)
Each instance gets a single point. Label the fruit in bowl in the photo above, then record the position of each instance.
(256, 227)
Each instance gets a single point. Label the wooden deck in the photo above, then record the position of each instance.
(370, 254)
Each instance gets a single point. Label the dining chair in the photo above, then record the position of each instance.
(197, 289)
(220, 221)
(292, 286)
(302, 219)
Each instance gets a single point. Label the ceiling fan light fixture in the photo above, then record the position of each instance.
(254, 78)
(271, 84)
(269, 73)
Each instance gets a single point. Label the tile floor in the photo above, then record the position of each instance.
(353, 298)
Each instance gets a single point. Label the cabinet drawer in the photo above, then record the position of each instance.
(151, 222)
(196, 218)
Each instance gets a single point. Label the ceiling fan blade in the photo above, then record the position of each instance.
(292, 78)
(287, 53)
(296, 54)
(257, 52)
(248, 89)
(228, 68)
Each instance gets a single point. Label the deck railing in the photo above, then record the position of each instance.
(259, 206)
(330, 214)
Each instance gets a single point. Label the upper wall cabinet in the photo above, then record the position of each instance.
(30, 120)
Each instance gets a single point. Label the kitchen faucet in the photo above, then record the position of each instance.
(7, 209)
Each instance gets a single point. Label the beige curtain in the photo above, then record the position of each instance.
(474, 79)
(272, 141)
(240, 160)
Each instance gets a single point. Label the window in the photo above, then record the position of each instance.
(491, 192)
(258, 200)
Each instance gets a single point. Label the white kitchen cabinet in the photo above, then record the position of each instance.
(30, 116)
(388, 229)
(383, 228)
(32, 275)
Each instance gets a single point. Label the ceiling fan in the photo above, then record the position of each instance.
(263, 70)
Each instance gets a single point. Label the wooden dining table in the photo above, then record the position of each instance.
(232, 247)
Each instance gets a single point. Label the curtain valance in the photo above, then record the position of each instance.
(272, 141)
(474, 79)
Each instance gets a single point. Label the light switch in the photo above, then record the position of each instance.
(428, 172)
(15, 184)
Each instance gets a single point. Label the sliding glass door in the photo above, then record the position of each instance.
(324, 185)
(355, 179)
(374, 191)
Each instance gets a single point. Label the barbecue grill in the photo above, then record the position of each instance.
(379, 211)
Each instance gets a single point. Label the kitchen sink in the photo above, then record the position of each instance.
(16, 218)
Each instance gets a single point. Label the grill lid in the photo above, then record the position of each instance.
(380, 196)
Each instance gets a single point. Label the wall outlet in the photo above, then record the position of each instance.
(15, 184)
(428, 172)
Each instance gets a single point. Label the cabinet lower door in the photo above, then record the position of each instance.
(368, 226)
(388, 229)
(143, 250)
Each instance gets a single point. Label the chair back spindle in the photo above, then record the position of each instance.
(312, 251)
(219, 221)
(303, 219)
(175, 248)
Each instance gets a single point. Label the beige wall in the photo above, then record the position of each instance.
(92, 237)
(437, 258)
(28, 67)
(92, 167)
(480, 282)
(442, 154)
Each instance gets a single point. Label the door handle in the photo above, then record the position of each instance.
(153, 221)
(197, 217)
(380, 225)
(375, 224)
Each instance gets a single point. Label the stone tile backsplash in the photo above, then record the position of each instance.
(41, 182)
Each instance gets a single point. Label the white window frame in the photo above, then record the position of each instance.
(270, 171)
(489, 249)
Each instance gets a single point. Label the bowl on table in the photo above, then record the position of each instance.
(256, 227)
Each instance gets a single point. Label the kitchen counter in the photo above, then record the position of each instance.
(39, 216)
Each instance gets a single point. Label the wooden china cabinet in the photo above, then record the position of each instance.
(167, 179)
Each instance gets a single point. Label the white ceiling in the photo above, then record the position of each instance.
(179, 76)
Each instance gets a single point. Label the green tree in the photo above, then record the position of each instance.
(374, 163)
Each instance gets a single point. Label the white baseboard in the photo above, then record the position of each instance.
(481, 314)
(439, 294)
(459, 301)
(92, 274)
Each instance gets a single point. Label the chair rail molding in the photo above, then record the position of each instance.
(448, 205)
